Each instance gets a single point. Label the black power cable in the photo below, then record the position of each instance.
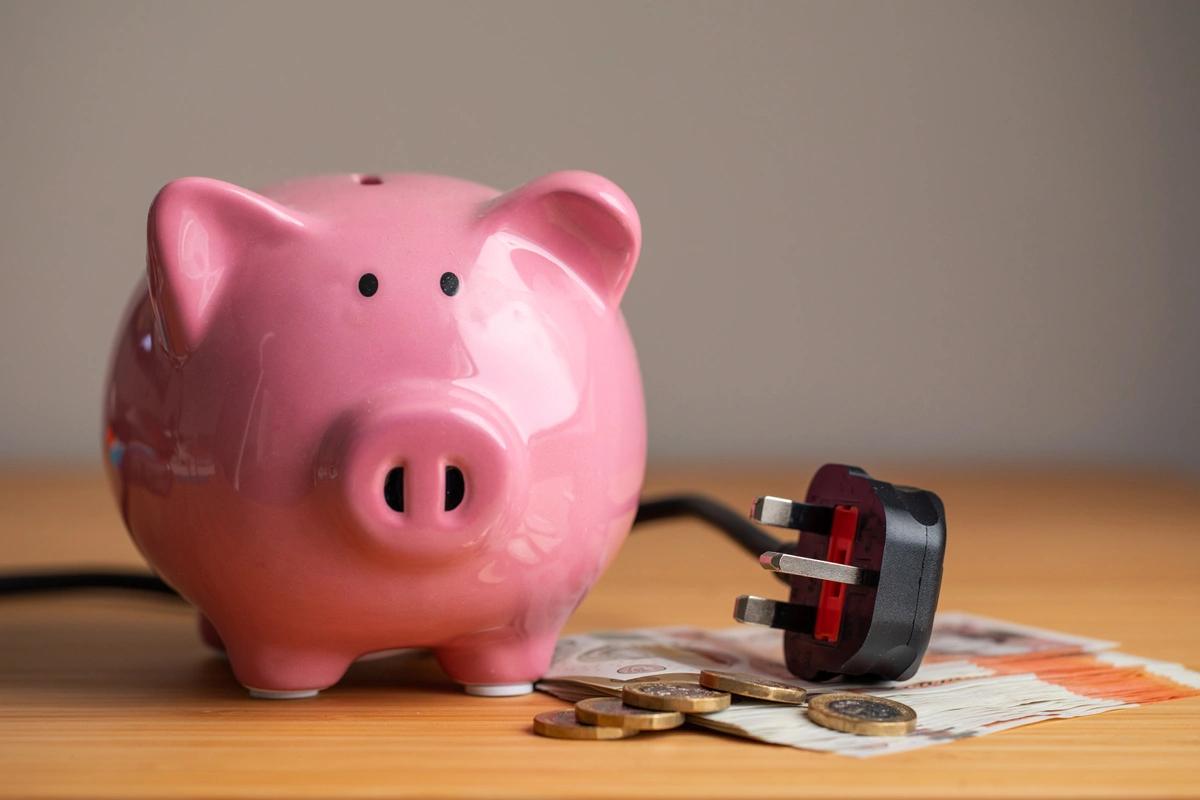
(741, 530)
(41, 582)
(753, 539)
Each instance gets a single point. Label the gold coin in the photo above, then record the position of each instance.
(862, 714)
(611, 711)
(743, 684)
(608, 686)
(691, 698)
(564, 725)
(666, 677)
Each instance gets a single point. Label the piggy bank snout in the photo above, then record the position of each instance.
(429, 480)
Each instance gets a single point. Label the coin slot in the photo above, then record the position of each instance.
(393, 489)
(369, 180)
(456, 488)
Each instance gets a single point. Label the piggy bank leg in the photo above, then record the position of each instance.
(497, 667)
(208, 633)
(272, 672)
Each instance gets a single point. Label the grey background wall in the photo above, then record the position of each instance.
(923, 230)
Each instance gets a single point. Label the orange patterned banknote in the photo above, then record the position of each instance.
(980, 676)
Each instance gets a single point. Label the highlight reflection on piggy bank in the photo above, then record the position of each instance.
(356, 413)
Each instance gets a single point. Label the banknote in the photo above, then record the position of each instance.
(979, 676)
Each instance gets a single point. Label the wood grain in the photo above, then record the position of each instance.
(106, 695)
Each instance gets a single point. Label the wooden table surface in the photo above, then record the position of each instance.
(108, 695)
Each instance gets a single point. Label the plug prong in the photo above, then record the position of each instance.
(774, 613)
(813, 568)
(783, 513)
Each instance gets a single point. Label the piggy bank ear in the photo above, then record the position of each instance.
(582, 220)
(198, 233)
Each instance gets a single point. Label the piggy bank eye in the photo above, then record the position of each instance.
(449, 284)
(368, 284)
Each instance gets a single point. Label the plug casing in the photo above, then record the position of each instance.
(886, 620)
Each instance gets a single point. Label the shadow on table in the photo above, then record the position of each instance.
(101, 650)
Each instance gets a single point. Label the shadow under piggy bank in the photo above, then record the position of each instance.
(93, 650)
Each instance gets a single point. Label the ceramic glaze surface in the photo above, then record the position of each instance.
(357, 413)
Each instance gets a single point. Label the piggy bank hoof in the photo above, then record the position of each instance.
(497, 689)
(270, 694)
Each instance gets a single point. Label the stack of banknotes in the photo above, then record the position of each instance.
(979, 676)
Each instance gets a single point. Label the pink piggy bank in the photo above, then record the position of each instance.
(357, 413)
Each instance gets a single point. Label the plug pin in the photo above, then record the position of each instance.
(815, 568)
(783, 513)
(774, 613)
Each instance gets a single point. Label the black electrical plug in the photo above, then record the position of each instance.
(865, 575)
